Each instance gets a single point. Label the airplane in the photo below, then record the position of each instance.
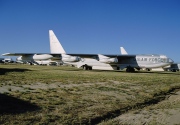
(115, 62)
(102, 61)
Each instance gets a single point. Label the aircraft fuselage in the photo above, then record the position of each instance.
(137, 61)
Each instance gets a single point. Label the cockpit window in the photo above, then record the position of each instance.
(164, 60)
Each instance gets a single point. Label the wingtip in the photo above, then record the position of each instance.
(5, 54)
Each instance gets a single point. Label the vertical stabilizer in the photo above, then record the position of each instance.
(123, 51)
(55, 45)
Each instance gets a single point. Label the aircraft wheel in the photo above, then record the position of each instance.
(90, 68)
(138, 69)
(132, 70)
(128, 70)
(147, 69)
(117, 68)
(85, 67)
(173, 70)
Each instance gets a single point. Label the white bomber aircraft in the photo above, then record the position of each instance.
(102, 61)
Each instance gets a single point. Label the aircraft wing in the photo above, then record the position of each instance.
(56, 56)
(28, 54)
(59, 55)
(17, 54)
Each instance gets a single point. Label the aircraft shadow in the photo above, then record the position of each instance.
(122, 71)
(12, 105)
(3, 71)
(138, 72)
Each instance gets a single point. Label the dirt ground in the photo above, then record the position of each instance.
(166, 112)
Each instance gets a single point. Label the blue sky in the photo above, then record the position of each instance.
(91, 26)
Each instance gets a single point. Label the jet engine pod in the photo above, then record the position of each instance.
(68, 58)
(108, 60)
(42, 57)
(105, 59)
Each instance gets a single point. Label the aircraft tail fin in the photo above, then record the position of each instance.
(123, 51)
(55, 45)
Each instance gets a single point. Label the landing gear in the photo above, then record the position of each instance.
(117, 68)
(147, 69)
(173, 70)
(138, 69)
(86, 67)
(130, 69)
(30, 63)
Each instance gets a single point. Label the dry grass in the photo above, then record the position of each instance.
(67, 95)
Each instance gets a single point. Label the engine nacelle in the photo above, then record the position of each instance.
(68, 58)
(25, 58)
(42, 57)
(34, 57)
(105, 59)
(109, 60)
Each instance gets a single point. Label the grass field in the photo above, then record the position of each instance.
(67, 95)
